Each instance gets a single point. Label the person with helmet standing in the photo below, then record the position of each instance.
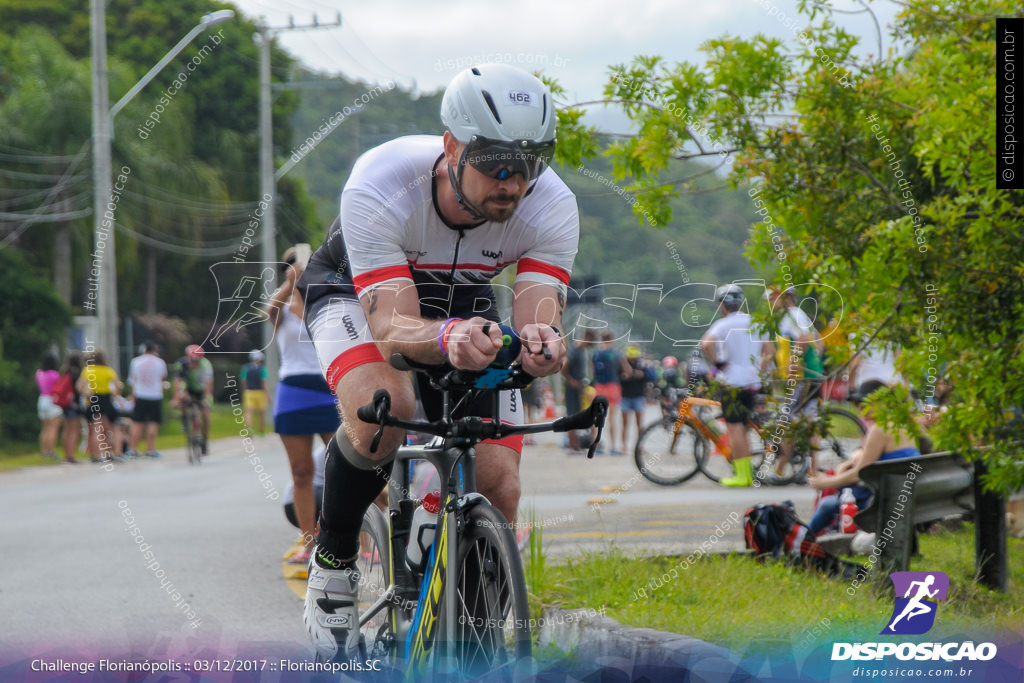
(730, 345)
(254, 391)
(426, 223)
(193, 381)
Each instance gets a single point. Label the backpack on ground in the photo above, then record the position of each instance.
(771, 530)
(63, 392)
(775, 530)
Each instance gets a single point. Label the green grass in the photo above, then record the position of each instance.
(732, 600)
(222, 424)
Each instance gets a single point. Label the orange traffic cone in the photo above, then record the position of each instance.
(549, 404)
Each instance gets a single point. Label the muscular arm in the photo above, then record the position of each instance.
(393, 313)
(537, 308)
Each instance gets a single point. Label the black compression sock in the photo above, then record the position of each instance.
(348, 491)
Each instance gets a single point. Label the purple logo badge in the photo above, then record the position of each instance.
(914, 612)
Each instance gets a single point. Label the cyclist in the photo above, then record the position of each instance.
(426, 224)
(733, 348)
(193, 381)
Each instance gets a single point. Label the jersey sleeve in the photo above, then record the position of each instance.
(372, 234)
(550, 260)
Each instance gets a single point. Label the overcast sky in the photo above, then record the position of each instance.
(422, 44)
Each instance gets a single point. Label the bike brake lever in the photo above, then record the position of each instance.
(599, 408)
(382, 401)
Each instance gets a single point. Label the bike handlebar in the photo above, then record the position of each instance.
(477, 429)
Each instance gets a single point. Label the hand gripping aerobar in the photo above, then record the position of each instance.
(503, 375)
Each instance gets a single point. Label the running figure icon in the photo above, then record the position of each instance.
(915, 606)
(920, 593)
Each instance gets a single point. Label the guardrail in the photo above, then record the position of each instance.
(929, 488)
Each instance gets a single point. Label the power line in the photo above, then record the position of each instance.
(53, 192)
(179, 249)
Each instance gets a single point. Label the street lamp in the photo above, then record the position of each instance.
(103, 133)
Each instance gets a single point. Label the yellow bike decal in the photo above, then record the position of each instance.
(425, 628)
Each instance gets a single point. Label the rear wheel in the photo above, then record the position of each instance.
(492, 614)
(667, 456)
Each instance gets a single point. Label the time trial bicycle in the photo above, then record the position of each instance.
(464, 611)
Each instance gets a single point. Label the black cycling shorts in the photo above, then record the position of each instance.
(737, 403)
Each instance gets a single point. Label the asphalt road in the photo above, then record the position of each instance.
(164, 559)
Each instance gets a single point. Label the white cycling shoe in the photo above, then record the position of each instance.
(331, 612)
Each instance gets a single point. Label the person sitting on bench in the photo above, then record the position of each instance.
(878, 445)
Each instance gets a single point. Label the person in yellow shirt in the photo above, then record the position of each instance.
(98, 384)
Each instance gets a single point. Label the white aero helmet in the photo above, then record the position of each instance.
(501, 103)
(505, 118)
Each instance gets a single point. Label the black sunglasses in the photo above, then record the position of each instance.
(501, 160)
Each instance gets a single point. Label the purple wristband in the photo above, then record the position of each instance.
(440, 335)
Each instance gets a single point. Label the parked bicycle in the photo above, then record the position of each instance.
(687, 439)
(461, 610)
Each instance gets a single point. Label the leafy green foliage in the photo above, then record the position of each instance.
(32, 320)
(876, 177)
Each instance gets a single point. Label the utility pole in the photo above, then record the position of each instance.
(268, 184)
(102, 134)
(106, 294)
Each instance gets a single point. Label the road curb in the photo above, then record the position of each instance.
(599, 641)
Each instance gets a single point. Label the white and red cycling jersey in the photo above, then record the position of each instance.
(391, 230)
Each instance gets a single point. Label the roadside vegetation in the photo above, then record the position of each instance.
(733, 601)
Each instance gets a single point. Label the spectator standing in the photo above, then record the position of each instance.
(254, 391)
(304, 404)
(800, 355)
(73, 365)
(49, 413)
(632, 378)
(576, 379)
(606, 383)
(731, 347)
(99, 384)
(146, 375)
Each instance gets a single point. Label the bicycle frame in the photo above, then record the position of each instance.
(416, 635)
(685, 415)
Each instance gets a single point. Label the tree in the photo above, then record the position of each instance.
(874, 178)
(32, 320)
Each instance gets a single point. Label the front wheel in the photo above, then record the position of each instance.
(377, 630)
(667, 455)
(716, 466)
(492, 614)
